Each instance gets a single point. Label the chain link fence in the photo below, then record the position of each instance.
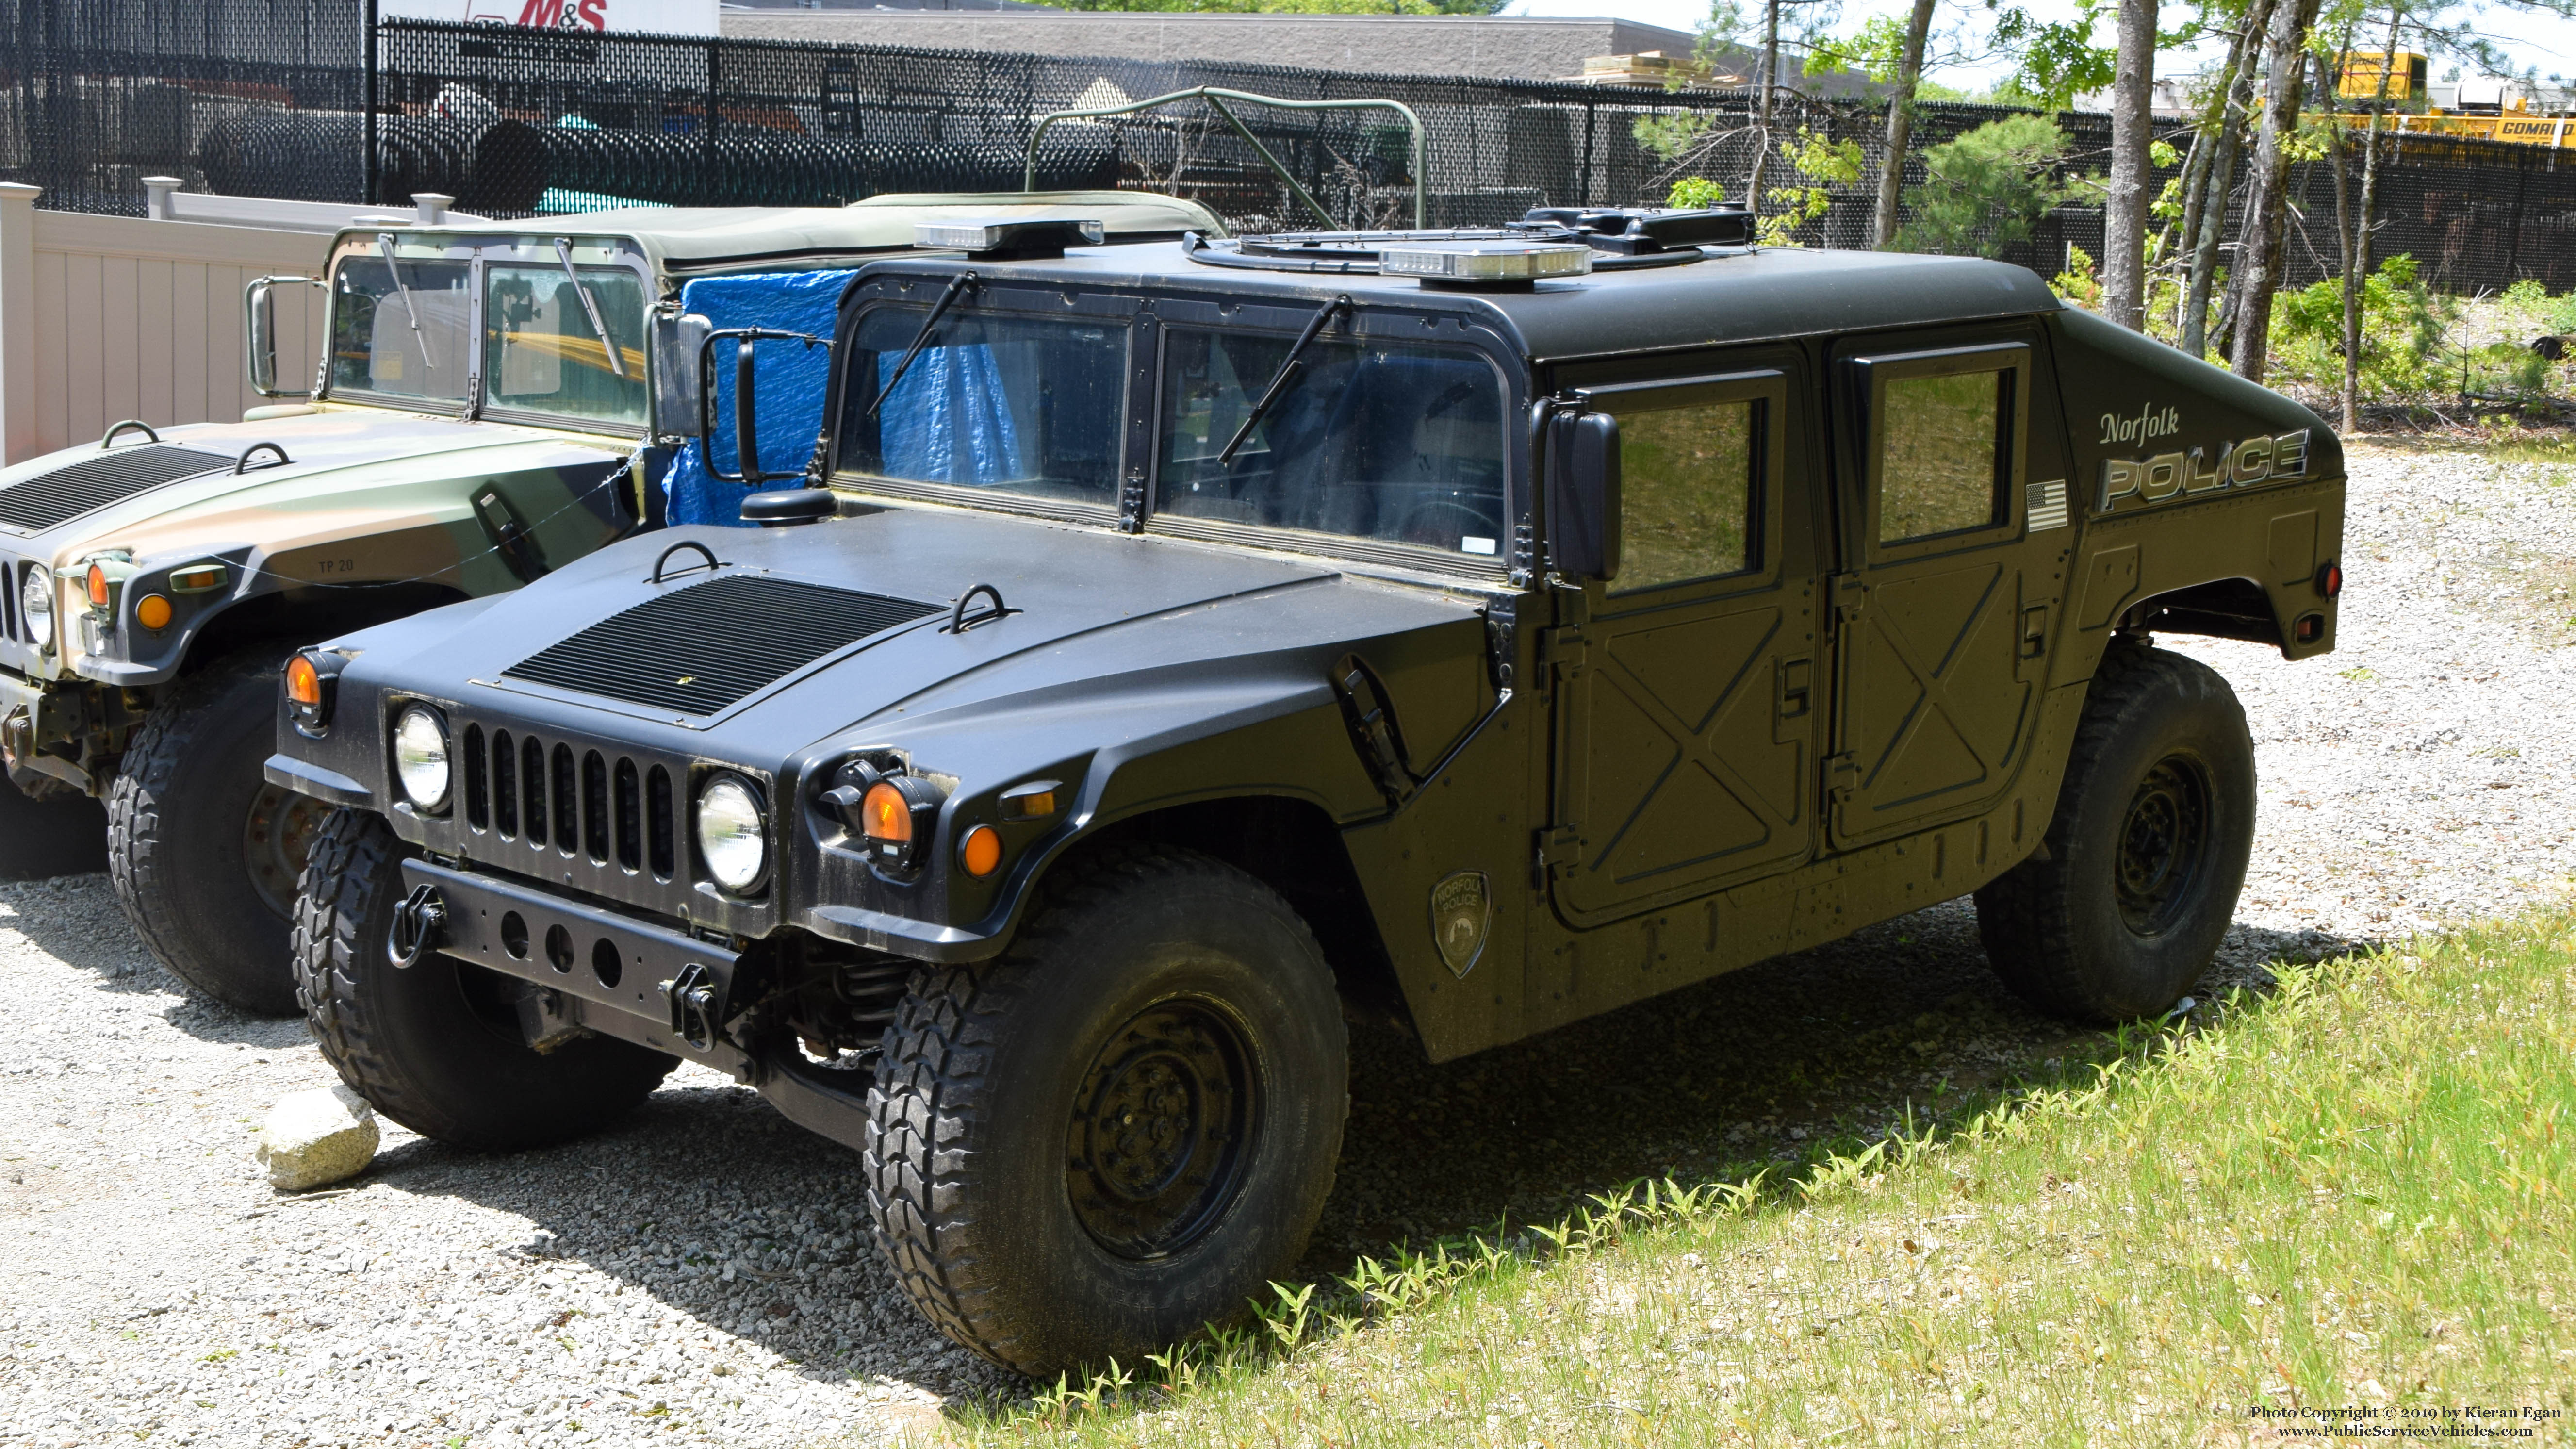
(268, 98)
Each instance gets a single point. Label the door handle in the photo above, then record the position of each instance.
(1794, 688)
(1793, 699)
(2034, 632)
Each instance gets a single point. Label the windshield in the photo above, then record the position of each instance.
(1384, 441)
(1012, 405)
(408, 341)
(541, 353)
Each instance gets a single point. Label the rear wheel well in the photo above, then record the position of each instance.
(2218, 609)
(309, 615)
(1291, 846)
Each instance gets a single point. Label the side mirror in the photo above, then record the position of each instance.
(746, 420)
(1583, 495)
(677, 339)
(259, 332)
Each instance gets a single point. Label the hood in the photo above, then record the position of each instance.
(806, 633)
(174, 501)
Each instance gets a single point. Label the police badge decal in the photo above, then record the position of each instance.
(1461, 910)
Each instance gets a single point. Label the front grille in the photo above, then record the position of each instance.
(66, 493)
(573, 802)
(699, 649)
(9, 586)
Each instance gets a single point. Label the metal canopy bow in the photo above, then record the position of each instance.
(1216, 97)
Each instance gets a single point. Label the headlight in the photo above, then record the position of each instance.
(733, 837)
(420, 757)
(36, 603)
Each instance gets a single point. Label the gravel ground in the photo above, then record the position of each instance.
(702, 1274)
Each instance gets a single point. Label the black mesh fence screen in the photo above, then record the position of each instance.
(268, 98)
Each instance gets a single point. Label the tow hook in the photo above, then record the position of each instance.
(696, 997)
(418, 923)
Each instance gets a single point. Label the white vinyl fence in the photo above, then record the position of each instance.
(111, 317)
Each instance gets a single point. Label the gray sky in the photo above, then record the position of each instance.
(2543, 42)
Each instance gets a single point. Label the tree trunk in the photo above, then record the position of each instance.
(2259, 249)
(2195, 180)
(2124, 211)
(2222, 181)
(2356, 264)
(1762, 105)
(1900, 127)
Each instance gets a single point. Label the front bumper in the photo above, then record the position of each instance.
(40, 719)
(658, 988)
(610, 973)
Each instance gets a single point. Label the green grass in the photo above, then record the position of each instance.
(2351, 1193)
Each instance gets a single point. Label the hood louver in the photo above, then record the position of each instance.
(64, 494)
(699, 649)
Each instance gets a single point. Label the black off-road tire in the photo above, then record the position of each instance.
(436, 1046)
(203, 851)
(62, 834)
(2126, 906)
(1004, 1158)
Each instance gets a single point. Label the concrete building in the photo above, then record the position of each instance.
(1536, 48)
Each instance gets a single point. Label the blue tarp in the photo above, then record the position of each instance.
(791, 378)
(949, 420)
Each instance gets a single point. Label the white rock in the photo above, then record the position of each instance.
(314, 1138)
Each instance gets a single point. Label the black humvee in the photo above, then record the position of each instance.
(1209, 642)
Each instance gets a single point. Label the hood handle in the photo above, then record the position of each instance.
(241, 465)
(702, 550)
(959, 623)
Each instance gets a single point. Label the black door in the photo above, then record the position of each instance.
(1946, 609)
(1686, 694)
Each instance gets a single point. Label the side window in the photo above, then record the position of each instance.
(1941, 465)
(1689, 480)
(1944, 434)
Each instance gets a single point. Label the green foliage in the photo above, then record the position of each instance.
(1671, 136)
(1877, 50)
(1988, 189)
(2078, 283)
(1822, 165)
(1693, 193)
(2401, 332)
(2059, 60)
(2562, 314)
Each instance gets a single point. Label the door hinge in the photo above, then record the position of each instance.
(1849, 598)
(1563, 646)
(1554, 844)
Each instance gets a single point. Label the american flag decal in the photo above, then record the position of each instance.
(2046, 504)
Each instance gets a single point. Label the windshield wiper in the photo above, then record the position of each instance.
(385, 244)
(598, 329)
(921, 339)
(1289, 367)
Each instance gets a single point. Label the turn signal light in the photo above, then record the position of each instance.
(97, 587)
(981, 851)
(312, 688)
(2330, 579)
(152, 612)
(897, 816)
(303, 682)
(888, 814)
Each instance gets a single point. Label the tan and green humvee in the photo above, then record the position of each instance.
(496, 399)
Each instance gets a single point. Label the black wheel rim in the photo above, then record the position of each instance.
(277, 837)
(2164, 845)
(1162, 1129)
